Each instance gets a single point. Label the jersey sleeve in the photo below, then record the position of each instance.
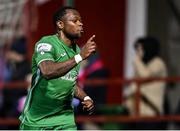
(44, 51)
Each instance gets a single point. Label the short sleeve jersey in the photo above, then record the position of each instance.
(49, 102)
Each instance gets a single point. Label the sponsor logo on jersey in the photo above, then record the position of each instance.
(71, 76)
(44, 47)
(63, 54)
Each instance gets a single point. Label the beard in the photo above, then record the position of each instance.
(72, 36)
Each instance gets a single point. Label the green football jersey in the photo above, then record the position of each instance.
(49, 102)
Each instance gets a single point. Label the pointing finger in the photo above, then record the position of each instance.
(92, 38)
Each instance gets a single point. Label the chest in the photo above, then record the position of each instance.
(63, 53)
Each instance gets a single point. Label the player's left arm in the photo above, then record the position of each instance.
(87, 102)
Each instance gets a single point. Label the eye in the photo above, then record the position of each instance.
(75, 20)
(80, 21)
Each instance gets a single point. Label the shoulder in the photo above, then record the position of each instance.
(158, 61)
(156, 67)
(47, 39)
(45, 43)
(158, 64)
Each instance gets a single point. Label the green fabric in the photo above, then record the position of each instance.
(111, 110)
(61, 127)
(49, 102)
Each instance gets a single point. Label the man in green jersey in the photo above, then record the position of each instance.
(55, 67)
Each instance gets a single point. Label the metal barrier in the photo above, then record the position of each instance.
(105, 118)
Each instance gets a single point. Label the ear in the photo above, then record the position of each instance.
(60, 25)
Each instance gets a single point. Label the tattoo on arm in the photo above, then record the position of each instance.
(51, 69)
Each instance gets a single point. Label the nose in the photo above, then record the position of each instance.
(80, 23)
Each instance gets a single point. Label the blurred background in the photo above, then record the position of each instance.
(105, 76)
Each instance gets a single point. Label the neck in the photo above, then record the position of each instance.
(66, 40)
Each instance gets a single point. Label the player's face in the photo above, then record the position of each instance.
(73, 27)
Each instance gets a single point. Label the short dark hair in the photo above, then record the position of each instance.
(151, 47)
(60, 13)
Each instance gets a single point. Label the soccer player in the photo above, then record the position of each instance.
(55, 67)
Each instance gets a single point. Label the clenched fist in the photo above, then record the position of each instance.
(88, 105)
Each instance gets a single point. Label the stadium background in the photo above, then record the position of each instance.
(116, 23)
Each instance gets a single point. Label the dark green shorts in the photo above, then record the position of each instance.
(58, 127)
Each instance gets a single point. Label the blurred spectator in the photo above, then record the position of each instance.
(4, 74)
(92, 68)
(18, 68)
(148, 63)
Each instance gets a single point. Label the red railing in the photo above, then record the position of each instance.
(105, 118)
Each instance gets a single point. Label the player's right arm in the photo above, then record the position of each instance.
(51, 69)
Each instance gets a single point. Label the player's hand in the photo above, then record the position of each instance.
(88, 105)
(89, 48)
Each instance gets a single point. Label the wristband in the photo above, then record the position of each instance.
(78, 58)
(87, 98)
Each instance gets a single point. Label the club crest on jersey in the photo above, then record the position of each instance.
(44, 47)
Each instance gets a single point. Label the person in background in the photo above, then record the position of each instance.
(15, 67)
(93, 68)
(4, 76)
(55, 66)
(18, 68)
(148, 63)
